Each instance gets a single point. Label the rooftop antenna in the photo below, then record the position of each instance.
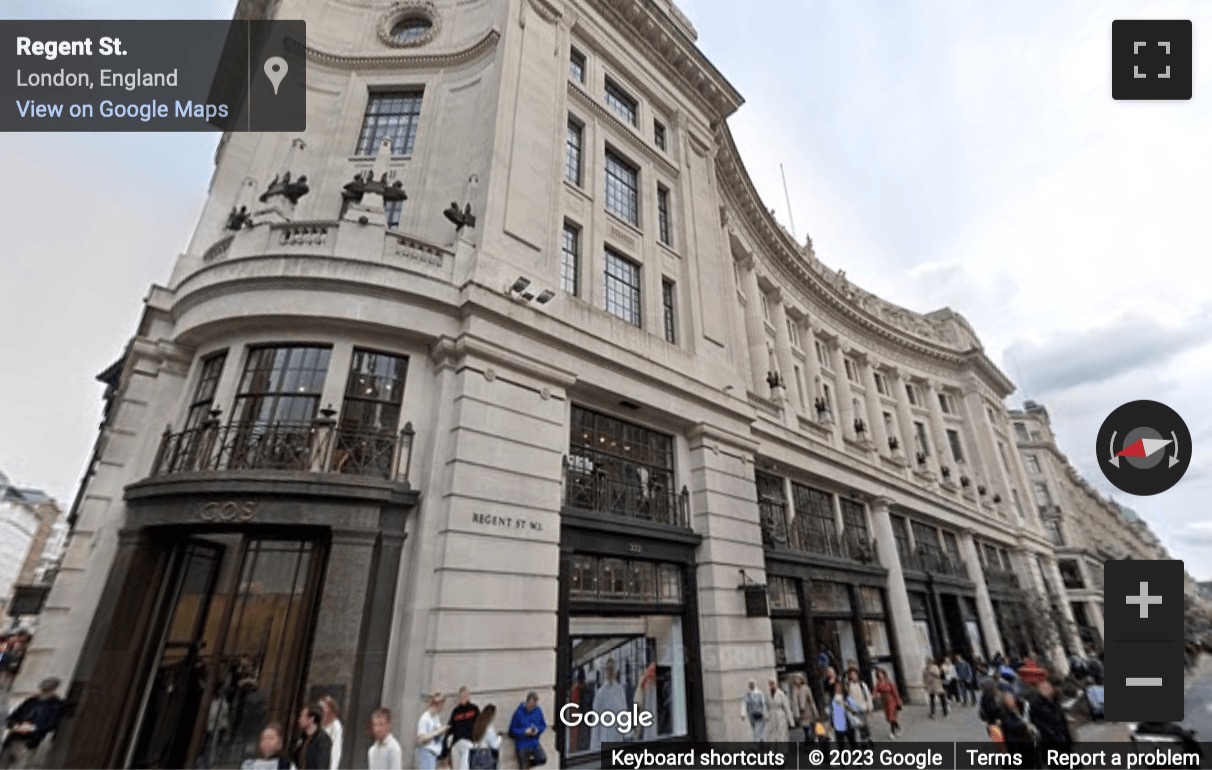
(786, 197)
(1018, 373)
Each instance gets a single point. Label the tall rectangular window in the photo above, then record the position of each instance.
(570, 260)
(394, 210)
(799, 384)
(1043, 498)
(658, 134)
(572, 157)
(667, 304)
(765, 305)
(900, 533)
(944, 403)
(663, 215)
(1032, 464)
(881, 384)
(1001, 449)
(391, 115)
(919, 430)
(957, 449)
(622, 189)
(373, 392)
(576, 66)
(793, 333)
(851, 370)
(623, 288)
(281, 385)
(620, 102)
(911, 393)
(814, 512)
(1020, 431)
(204, 392)
(821, 358)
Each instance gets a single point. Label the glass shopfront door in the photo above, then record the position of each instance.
(236, 627)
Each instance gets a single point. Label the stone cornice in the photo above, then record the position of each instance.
(829, 289)
(403, 60)
(668, 48)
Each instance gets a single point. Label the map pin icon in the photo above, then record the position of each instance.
(275, 70)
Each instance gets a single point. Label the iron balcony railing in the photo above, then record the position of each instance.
(805, 535)
(935, 561)
(319, 447)
(594, 490)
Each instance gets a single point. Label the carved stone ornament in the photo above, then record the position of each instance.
(283, 186)
(366, 183)
(403, 11)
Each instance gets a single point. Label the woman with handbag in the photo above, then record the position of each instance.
(483, 751)
(889, 700)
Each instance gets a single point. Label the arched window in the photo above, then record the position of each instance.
(410, 29)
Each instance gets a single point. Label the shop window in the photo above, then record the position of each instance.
(783, 594)
(827, 596)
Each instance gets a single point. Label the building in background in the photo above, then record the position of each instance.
(31, 532)
(525, 388)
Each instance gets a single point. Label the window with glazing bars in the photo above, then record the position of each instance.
(816, 509)
(622, 288)
(925, 536)
(373, 392)
(570, 260)
(854, 516)
(957, 449)
(572, 160)
(669, 311)
(394, 210)
(394, 115)
(576, 66)
(632, 462)
(658, 134)
(281, 385)
(663, 216)
(900, 533)
(951, 546)
(620, 102)
(772, 507)
(622, 189)
(204, 392)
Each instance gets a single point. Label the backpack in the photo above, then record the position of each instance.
(755, 708)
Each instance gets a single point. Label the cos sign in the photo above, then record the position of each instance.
(229, 511)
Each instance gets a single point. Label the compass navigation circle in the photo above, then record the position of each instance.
(1143, 447)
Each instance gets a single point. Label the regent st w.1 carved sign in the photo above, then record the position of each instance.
(516, 525)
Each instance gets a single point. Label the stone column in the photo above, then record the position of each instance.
(782, 353)
(875, 409)
(1038, 586)
(905, 418)
(942, 447)
(899, 614)
(1062, 598)
(984, 605)
(845, 396)
(755, 328)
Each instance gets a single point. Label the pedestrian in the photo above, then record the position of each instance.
(332, 726)
(430, 733)
(932, 681)
(462, 721)
(990, 703)
(754, 708)
(860, 694)
(1049, 719)
(890, 700)
(526, 727)
(269, 751)
(779, 717)
(314, 749)
(484, 750)
(947, 667)
(829, 682)
(966, 677)
(1015, 730)
(842, 714)
(385, 753)
(30, 723)
(1095, 697)
(803, 709)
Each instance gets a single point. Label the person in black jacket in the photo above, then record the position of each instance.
(314, 749)
(1049, 719)
(37, 717)
(1016, 730)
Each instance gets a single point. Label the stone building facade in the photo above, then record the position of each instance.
(28, 520)
(576, 415)
(1084, 526)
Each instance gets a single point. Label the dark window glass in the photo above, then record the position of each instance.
(784, 595)
(854, 516)
(829, 597)
(204, 394)
(623, 288)
(663, 216)
(576, 66)
(900, 532)
(393, 209)
(570, 258)
(572, 160)
(596, 578)
(620, 102)
(667, 303)
(281, 385)
(957, 449)
(871, 600)
(658, 134)
(373, 392)
(390, 115)
(814, 512)
(622, 189)
(411, 29)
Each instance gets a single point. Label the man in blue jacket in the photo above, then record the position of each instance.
(526, 727)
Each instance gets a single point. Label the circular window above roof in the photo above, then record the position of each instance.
(410, 29)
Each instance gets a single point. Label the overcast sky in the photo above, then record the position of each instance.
(942, 153)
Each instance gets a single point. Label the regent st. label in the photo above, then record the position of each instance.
(506, 524)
